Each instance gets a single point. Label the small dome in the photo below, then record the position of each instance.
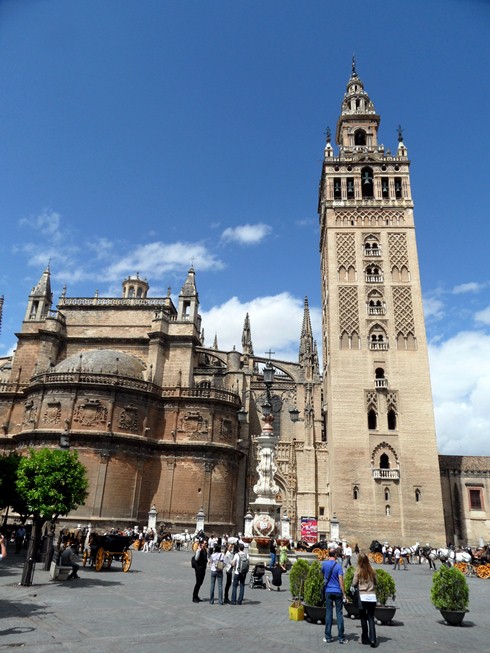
(103, 361)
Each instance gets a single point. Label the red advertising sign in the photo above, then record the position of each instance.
(309, 529)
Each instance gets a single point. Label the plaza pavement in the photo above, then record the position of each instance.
(150, 608)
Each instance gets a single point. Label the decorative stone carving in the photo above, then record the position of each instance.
(52, 414)
(193, 423)
(30, 413)
(226, 428)
(129, 420)
(90, 413)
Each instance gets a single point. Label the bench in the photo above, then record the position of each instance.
(59, 572)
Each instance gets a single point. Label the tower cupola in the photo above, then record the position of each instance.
(40, 299)
(135, 288)
(358, 124)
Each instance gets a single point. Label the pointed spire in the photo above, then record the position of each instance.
(308, 355)
(215, 342)
(354, 73)
(189, 287)
(43, 287)
(247, 346)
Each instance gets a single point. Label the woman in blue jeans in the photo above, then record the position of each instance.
(365, 579)
(334, 595)
(216, 574)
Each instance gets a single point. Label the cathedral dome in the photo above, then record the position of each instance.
(103, 361)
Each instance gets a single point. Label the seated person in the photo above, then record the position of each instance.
(70, 559)
(275, 579)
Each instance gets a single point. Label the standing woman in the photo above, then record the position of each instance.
(217, 561)
(365, 579)
(229, 555)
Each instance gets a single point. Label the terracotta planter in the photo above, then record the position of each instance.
(384, 613)
(351, 610)
(314, 614)
(453, 617)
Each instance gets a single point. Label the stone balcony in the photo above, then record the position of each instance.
(386, 474)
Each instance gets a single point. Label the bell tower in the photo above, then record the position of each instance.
(384, 480)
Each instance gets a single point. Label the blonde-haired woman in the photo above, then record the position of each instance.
(365, 580)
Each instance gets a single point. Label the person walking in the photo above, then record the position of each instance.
(334, 595)
(199, 564)
(348, 556)
(240, 568)
(217, 562)
(365, 580)
(397, 556)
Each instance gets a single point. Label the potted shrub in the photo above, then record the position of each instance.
(385, 588)
(450, 594)
(297, 577)
(351, 609)
(314, 595)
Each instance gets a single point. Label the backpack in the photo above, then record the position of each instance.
(243, 563)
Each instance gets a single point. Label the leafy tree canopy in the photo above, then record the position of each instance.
(9, 495)
(52, 482)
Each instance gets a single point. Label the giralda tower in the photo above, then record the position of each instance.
(384, 480)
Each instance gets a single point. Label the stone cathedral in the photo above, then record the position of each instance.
(161, 419)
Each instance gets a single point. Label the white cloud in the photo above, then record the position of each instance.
(483, 316)
(433, 308)
(156, 259)
(460, 372)
(472, 286)
(47, 223)
(275, 324)
(247, 234)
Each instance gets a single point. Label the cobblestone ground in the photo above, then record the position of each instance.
(113, 612)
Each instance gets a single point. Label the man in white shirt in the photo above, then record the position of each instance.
(348, 556)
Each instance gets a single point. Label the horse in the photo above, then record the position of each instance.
(181, 541)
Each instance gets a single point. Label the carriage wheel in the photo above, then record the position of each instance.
(195, 546)
(378, 558)
(483, 571)
(318, 553)
(167, 545)
(136, 545)
(108, 561)
(126, 559)
(85, 557)
(462, 566)
(99, 559)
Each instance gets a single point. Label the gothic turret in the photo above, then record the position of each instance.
(40, 298)
(189, 301)
(135, 288)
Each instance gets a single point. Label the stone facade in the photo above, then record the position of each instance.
(153, 413)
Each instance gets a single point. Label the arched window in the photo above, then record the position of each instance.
(388, 511)
(372, 419)
(384, 461)
(360, 136)
(387, 494)
(380, 373)
(140, 292)
(391, 420)
(418, 495)
(131, 291)
(355, 493)
(367, 185)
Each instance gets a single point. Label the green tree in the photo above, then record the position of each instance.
(53, 482)
(9, 495)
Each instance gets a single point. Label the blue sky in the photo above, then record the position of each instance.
(149, 135)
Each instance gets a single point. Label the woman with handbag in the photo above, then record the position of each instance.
(365, 582)
(217, 562)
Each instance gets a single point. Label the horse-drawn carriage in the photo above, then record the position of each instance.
(103, 549)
